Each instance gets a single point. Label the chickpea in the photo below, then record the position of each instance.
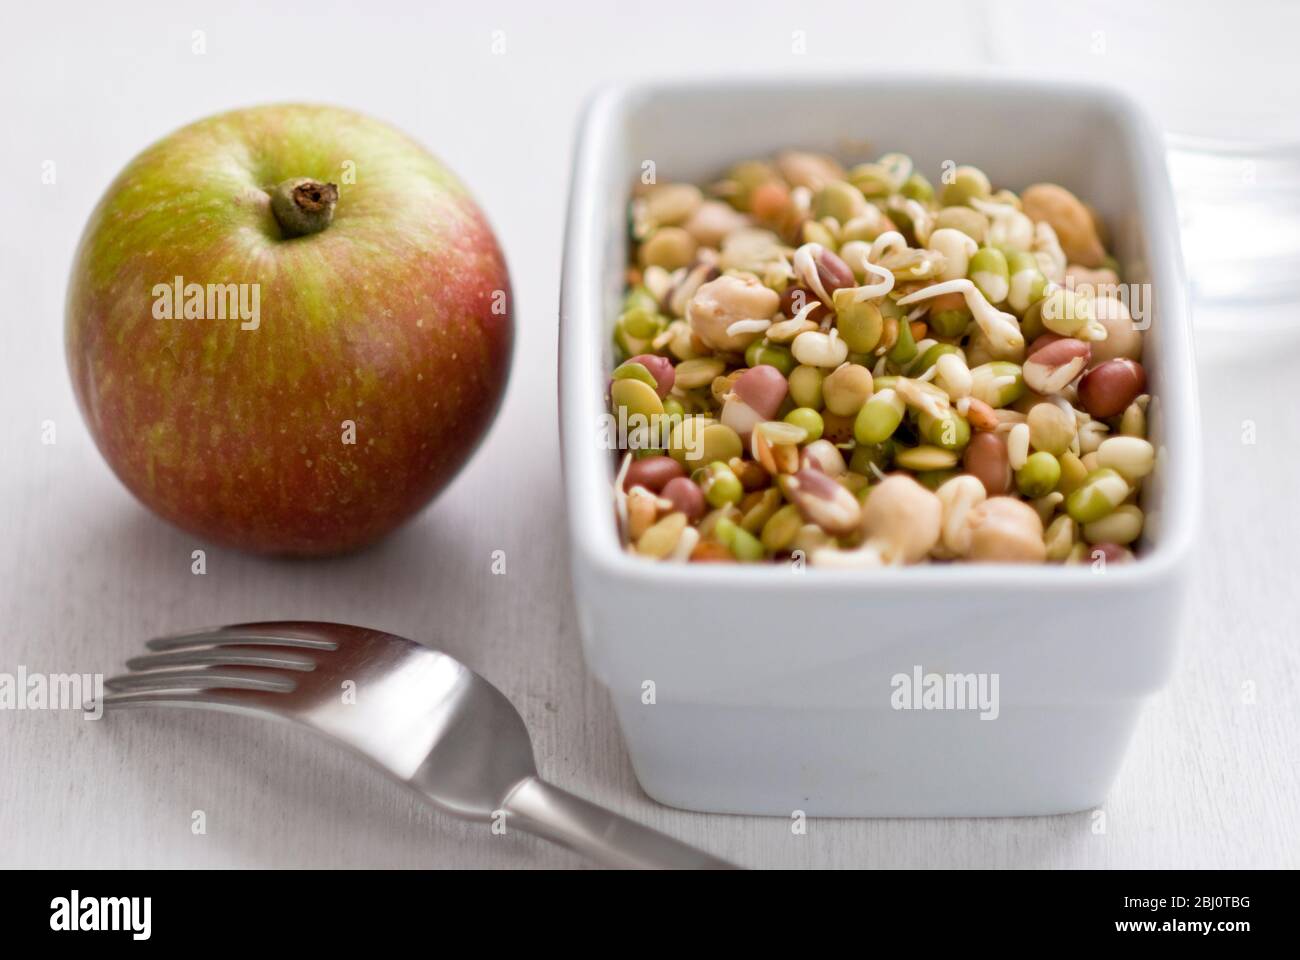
(902, 519)
(959, 496)
(1072, 221)
(1006, 530)
(721, 302)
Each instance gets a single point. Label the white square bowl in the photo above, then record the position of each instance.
(770, 689)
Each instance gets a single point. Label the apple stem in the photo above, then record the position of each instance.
(303, 206)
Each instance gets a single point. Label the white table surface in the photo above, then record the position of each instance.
(86, 573)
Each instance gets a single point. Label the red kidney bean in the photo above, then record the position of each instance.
(986, 460)
(652, 473)
(763, 388)
(686, 496)
(1053, 366)
(1108, 388)
(1042, 340)
(833, 272)
(661, 368)
(796, 297)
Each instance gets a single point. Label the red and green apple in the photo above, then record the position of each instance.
(287, 328)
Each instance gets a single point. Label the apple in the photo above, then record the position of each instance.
(288, 327)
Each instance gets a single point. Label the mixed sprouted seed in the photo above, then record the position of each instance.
(859, 368)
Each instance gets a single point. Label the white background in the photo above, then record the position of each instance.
(86, 574)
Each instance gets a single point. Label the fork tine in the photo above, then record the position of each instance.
(236, 635)
(202, 678)
(222, 656)
(177, 697)
(230, 635)
(146, 698)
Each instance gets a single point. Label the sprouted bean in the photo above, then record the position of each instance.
(860, 369)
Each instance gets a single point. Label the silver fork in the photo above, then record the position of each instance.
(421, 716)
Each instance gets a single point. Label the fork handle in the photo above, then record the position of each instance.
(611, 840)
